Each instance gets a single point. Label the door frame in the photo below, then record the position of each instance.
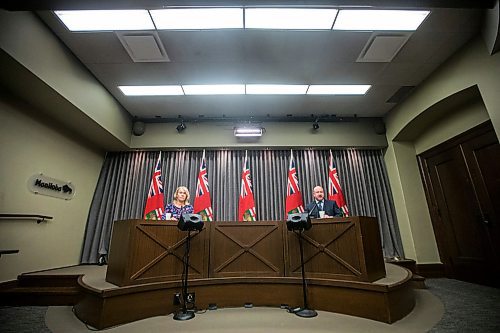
(439, 231)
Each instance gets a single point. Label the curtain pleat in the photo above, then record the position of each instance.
(125, 178)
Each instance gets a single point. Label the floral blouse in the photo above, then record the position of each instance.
(177, 211)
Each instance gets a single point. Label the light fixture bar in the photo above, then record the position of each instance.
(276, 89)
(249, 89)
(151, 90)
(373, 20)
(214, 89)
(247, 131)
(198, 18)
(338, 89)
(105, 20)
(290, 18)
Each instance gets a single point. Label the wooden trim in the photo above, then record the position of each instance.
(386, 303)
(456, 140)
(431, 270)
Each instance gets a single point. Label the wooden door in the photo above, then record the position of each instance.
(462, 183)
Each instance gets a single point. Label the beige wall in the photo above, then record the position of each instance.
(87, 104)
(461, 120)
(470, 67)
(213, 135)
(28, 147)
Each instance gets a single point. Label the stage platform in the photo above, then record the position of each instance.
(101, 304)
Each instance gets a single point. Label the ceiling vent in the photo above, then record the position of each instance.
(383, 47)
(143, 46)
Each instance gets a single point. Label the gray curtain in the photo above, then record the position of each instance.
(125, 178)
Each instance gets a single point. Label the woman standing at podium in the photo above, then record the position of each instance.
(180, 205)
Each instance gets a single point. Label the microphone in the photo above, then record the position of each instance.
(312, 210)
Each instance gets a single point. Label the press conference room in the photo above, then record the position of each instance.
(241, 166)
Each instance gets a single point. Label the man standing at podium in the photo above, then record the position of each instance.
(321, 207)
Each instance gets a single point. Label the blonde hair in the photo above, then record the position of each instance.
(185, 190)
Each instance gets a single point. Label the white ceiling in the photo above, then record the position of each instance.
(246, 56)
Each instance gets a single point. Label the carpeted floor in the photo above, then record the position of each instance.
(23, 319)
(469, 307)
(446, 306)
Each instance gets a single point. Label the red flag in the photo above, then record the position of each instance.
(334, 189)
(155, 203)
(247, 203)
(294, 202)
(202, 203)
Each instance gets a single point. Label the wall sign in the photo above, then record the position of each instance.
(41, 184)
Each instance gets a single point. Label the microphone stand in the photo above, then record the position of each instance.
(185, 314)
(312, 210)
(304, 312)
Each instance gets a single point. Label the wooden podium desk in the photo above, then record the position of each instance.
(338, 248)
(144, 251)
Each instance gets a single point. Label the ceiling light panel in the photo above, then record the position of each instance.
(289, 18)
(248, 131)
(371, 20)
(348, 89)
(105, 20)
(276, 89)
(214, 89)
(170, 90)
(198, 18)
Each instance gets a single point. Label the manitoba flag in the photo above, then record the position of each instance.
(202, 203)
(294, 203)
(247, 203)
(154, 203)
(334, 189)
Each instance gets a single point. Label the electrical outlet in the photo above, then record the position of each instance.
(190, 299)
(177, 299)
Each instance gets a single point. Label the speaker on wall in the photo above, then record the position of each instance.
(138, 128)
(379, 126)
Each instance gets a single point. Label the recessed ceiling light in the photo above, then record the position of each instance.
(290, 18)
(105, 20)
(346, 89)
(276, 89)
(151, 90)
(214, 89)
(398, 20)
(198, 18)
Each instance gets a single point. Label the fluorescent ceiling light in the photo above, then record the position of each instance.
(276, 89)
(214, 89)
(289, 18)
(347, 89)
(400, 20)
(198, 18)
(151, 90)
(105, 20)
(248, 131)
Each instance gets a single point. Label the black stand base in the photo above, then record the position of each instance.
(184, 315)
(306, 313)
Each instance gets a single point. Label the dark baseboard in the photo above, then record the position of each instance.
(431, 270)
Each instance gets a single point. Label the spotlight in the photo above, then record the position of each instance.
(181, 127)
(315, 125)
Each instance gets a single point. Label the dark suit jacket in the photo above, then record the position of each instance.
(329, 206)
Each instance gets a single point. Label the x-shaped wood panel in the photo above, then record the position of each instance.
(247, 248)
(168, 250)
(323, 248)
